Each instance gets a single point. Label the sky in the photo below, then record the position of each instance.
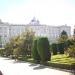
(49, 12)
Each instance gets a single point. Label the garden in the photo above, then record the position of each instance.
(28, 47)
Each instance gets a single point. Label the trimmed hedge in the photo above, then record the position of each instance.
(43, 49)
(54, 48)
(61, 48)
(2, 50)
(35, 54)
(58, 48)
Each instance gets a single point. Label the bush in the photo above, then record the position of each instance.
(43, 49)
(35, 54)
(61, 48)
(8, 49)
(71, 51)
(16, 53)
(27, 41)
(54, 48)
(2, 50)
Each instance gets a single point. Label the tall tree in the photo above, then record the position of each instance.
(74, 34)
(27, 41)
(63, 37)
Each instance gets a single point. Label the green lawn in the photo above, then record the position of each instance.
(62, 59)
(58, 59)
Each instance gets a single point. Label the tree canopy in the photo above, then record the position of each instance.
(63, 37)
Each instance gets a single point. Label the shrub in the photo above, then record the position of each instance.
(54, 48)
(61, 48)
(70, 42)
(2, 50)
(71, 51)
(8, 49)
(27, 41)
(43, 49)
(35, 54)
(16, 53)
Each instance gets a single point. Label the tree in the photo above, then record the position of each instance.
(8, 49)
(74, 34)
(62, 41)
(0, 42)
(16, 52)
(61, 48)
(71, 51)
(20, 45)
(17, 47)
(43, 49)
(35, 54)
(2, 50)
(27, 42)
(54, 48)
(63, 37)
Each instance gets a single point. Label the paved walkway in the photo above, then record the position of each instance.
(11, 67)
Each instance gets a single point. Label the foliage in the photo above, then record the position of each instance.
(19, 46)
(11, 45)
(62, 59)
(61, 48)
(27, 42)
(16, 53)
(54, 48)
(63, 37)
(43, 49)
(8, 49)
(63, 42)
(71, 51)
(35, 54)
(2, 51)
(57, 48)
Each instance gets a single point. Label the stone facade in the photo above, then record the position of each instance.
(8, 31)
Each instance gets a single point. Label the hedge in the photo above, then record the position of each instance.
(35, 54)
(44, 49)
(61, 48)
(54, 48)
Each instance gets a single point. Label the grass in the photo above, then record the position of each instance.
(62, 59)
(58, 59)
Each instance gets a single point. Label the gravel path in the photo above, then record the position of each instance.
(11, 67)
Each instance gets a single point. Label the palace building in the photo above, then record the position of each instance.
(8, 31)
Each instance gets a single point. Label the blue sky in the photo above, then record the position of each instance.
(50, 12)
